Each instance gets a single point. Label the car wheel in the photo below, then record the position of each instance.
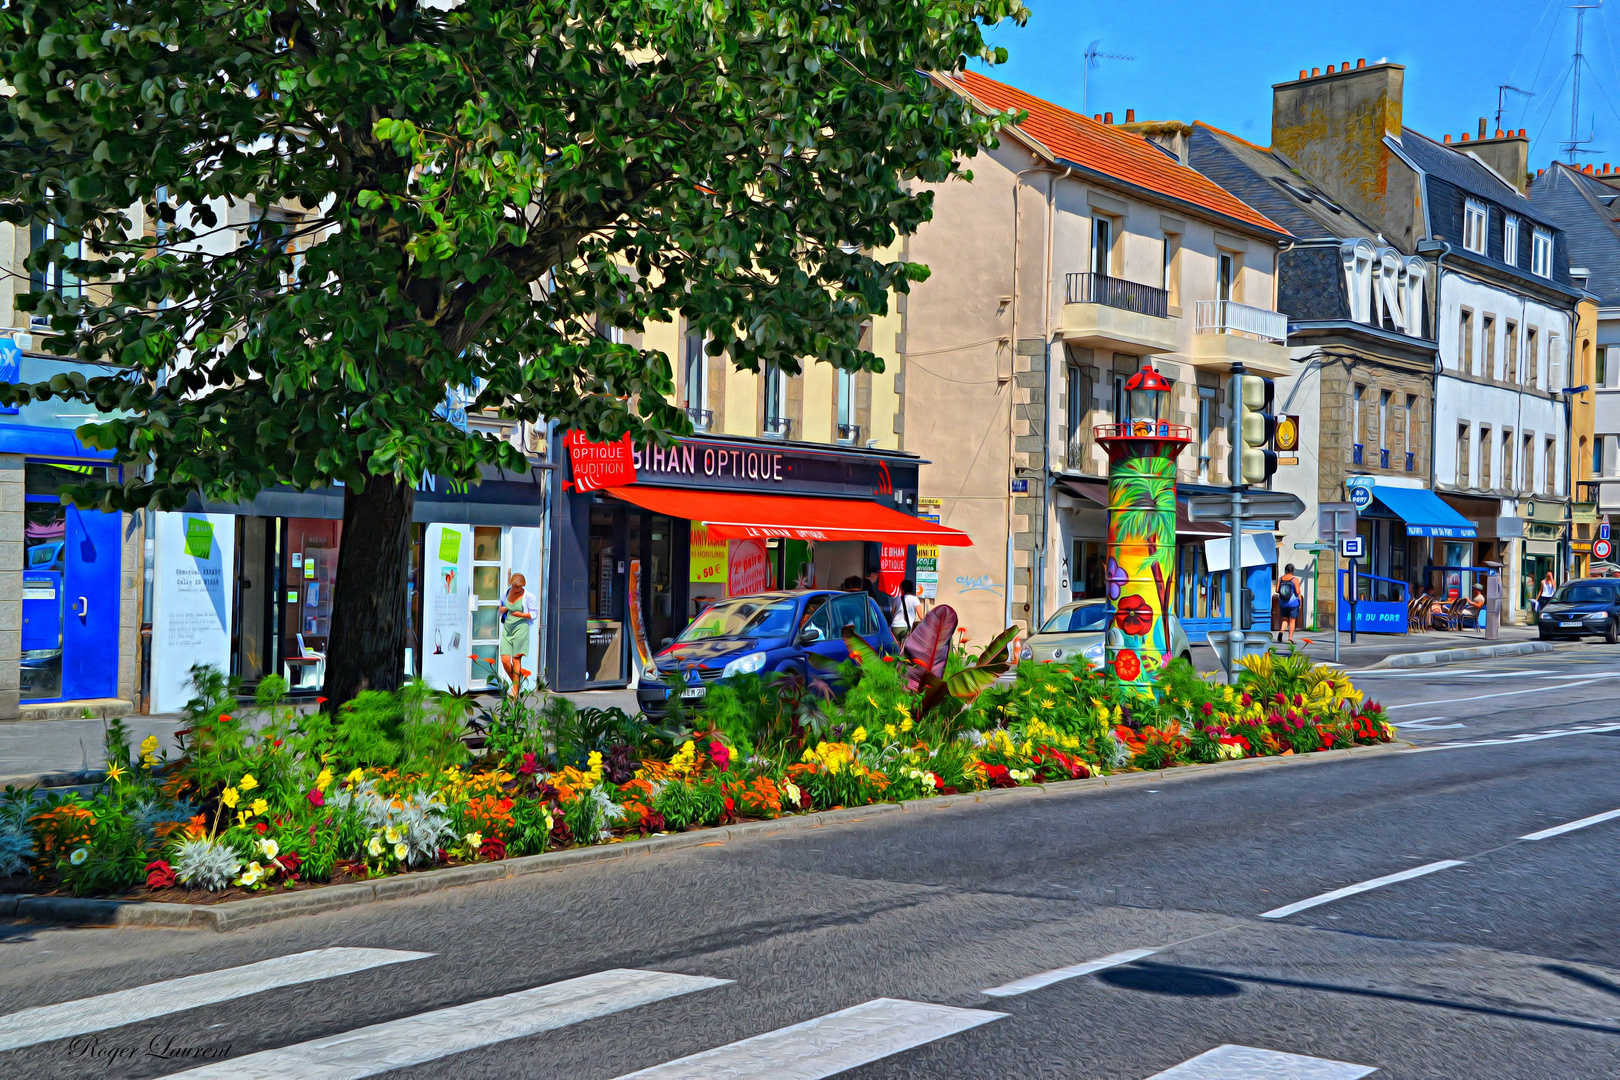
(1187, 656)
(1612, 634)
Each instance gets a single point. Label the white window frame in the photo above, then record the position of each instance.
(695, 374)
(1510, 239)
(1541, 253)
(1476, 225)
(776, 400)
(844, 391)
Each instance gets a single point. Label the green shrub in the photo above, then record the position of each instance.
(368, 729)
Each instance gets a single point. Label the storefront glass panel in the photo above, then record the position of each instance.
(71, 565)
(309, 568)
(604, 626)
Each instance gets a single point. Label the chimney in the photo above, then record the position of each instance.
(1361, 63)
(1482, 127)
(1500, 134)
(1172, 136)
(1108, 118)
(1508, 154)
(1315, 72)
(1333, 131)
(1130, 116)
(1303, 73)
(1465, 136)
(1448, 140)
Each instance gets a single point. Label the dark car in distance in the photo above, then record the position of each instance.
(760, 634)
(1582, 609)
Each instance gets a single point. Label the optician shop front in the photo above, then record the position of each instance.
(644, 538)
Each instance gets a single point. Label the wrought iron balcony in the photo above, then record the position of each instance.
(1231, 317)
(849, 433)
(778, 427)
(701, 418)
(1356, 453)
(1117, 293)
(1411, 461)
(1383, 458)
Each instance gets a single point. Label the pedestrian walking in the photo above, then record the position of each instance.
(885, 602)
(1548, 587)
(517, 617)
(1290, 591)
(907, 612)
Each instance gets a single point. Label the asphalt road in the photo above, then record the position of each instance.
(1493, 956)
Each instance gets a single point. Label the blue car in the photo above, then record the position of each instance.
(759, 635)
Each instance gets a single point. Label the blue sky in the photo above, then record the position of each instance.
(1216, 60)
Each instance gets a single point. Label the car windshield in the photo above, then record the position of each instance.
(1077, 618)
(746, 616)
(1585, 594)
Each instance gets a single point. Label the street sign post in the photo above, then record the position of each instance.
(1335, 521)
(1602, 548)
(1252, 506)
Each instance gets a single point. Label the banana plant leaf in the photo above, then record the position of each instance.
(929, 645)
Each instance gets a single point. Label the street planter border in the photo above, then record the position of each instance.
(237, 914)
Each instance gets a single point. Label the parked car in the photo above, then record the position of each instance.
(1582, 608)
(760, 634)
(1076, 630)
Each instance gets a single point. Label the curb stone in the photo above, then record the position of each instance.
(1451, 656)
(235, 914)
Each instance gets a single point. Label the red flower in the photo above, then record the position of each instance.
(999, 777)
(224, 718)
(315, 797)
(1247, 701)
(1209, 710)
(1127, 665)
(719, 755)
(290, 863)
(261, 828)
(529, 767)
(159, 874)
(1134, 616)
(493, 847)
(320, 701)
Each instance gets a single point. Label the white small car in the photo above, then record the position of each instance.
(1076, 630)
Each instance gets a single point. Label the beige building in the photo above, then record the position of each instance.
(1080, 249)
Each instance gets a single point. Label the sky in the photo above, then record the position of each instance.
(1214, 60)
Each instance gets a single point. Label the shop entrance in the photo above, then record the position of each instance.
(633, 607)
(71, 566)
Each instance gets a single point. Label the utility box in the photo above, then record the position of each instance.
(1493, 602)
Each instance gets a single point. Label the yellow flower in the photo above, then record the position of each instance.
(375, 847)
(115, 772)
(356, 776)
(905, 725)
(682, 761)
(260, 807)
(242, 818)
(858, 736)
(149, 747)
(792, 791)
(248, 783)
(229, 798)
(890, 733)
(324, 780)
(400, 851)
(475, 840)
(251, 875)
(392, 834)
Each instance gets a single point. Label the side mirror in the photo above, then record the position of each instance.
(810, 635)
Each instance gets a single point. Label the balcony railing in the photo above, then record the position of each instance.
(849, 433)
(1411, 461)
(1117, 293)
(1383, 459)
(1231, 317)
(701, 418)
(1357, 452)
(778, 427)
(1079, 453)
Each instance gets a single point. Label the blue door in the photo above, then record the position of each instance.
(90, 616)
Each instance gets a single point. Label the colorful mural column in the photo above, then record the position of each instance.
(1142, 453)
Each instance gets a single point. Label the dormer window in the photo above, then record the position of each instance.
(1541, 252)
(1476, 218)
(1510, 240)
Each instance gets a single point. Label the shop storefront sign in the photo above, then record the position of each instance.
(928, 554)
(191, 601)
(708, 557)
(446, 610)
(891, 568)
(748, 568)
(706, 463)
(599, 465)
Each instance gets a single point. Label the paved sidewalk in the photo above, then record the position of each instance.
(1371, 650)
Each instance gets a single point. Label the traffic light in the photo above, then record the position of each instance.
(1258, 425)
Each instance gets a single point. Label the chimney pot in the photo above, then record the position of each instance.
(1345, 66)
(1097, 117)
(1330, 69)
(1482, 128)
(1588, 170)
(1303, 74)
(1499, 133)
(1315, 72)
(1448, 140)
(1130, 116)
(1540, 171)
(1361, 63)
(1465, 136)
(1108, 118)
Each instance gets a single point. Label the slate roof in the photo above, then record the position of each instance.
(1256, 174)
(1105, 149)
(1455, 166)
(1581, 206)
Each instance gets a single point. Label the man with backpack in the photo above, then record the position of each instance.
(1290, 589)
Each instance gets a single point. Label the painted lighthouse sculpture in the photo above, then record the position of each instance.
(1142, 451)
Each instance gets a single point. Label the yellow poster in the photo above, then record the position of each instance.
(708, 559)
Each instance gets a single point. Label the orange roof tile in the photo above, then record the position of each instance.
(1108, 150)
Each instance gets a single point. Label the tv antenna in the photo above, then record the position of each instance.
(1094, 56)
(1501, 98)
(1575, 142)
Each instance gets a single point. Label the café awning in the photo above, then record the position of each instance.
(733, 515)
(1424, 512)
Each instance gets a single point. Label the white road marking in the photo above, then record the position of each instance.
(1510, 673)
(46, 1023)
(1571, 826)
(1231, 1062)
(1591, 729)
(1047, 978)
(1505, 693)
(1361, 887)
(1427, 673)
(1428, 724)
(825, 1046)
(424, 1037)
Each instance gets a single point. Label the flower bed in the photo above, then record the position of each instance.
(275, 799)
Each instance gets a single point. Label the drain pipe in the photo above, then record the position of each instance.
(1012, 392)
(1046, 402)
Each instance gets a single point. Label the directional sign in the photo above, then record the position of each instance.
(1603, 528)
(1601, 548)
(1353, 547)
(1256, 505)
(1335, 521)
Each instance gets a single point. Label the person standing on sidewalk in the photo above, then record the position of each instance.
(907, 612)
(1290, 590)
(1548, 587)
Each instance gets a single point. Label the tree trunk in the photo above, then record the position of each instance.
(369, 617)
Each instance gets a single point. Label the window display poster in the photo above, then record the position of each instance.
(708, 558)
(891, 567)
(446, 610)
(524, 546)
(928, 554)
(191, 601)
(748, 568)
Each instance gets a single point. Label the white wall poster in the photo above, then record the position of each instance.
(194, 559)
(524, 545)
(446, 607)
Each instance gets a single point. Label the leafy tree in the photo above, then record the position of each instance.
(485, 193)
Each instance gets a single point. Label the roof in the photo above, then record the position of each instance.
(1257, 174)
(1102, 148)
(1581, 206)
(1467, 172)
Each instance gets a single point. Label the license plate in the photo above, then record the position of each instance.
(1577, 622)
(694, 691)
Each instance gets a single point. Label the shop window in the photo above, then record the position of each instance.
(1475, 219)
(849, 429)
(604, 626)
(775, 421)
(1086, 572)
(487, 587)
(695, 380)
(310, 571)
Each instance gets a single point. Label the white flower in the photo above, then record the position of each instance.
(391, 834)
(400, 851)
(78, 856)
(251, 875)
(269, 848)
(793, 793)
(477, 839)
(375, 847)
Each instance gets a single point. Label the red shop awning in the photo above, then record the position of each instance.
(732, 515)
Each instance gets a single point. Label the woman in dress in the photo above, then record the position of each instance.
(517, 617)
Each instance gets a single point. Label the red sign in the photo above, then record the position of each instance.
(891, 568)
(599, 465)
(748, 568)
(1602, 548)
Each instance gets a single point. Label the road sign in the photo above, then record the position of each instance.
(1601, 548)
(1254, 642)
(1361, 497)
(1256, 505)
(1287, 437)
(1335, 521)
(1316, 547)
(1353, 547)
(1603, 528)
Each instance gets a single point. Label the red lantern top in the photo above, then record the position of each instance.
(1148, 379)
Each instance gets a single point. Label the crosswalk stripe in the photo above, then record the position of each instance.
(824, 1046)
(1360, 887)
(1047, 978)
(1571, 826)
(1231, 1062)
(46, 1023)
(413, 1040)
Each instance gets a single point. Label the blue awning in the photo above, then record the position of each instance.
(1424, 513)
